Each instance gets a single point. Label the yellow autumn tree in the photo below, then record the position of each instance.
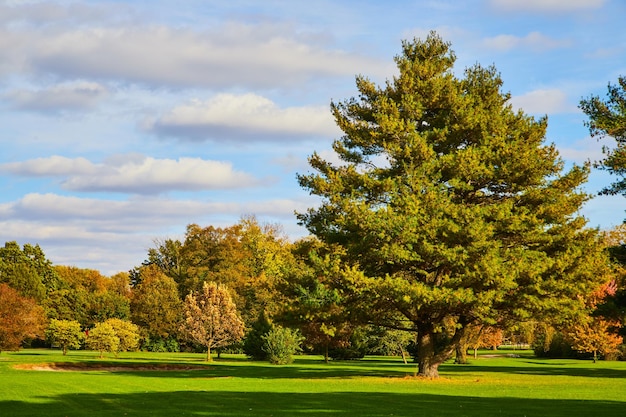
(210, 318)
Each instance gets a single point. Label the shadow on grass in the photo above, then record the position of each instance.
(310, 368)
(229, 403)
(537, 368)
(256, 370)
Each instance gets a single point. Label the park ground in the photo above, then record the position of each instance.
(44, 382)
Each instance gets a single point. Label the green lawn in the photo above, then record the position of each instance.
(489, 386)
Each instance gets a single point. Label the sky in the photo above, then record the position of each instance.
(124, 121)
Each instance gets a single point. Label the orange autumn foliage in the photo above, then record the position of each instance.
(20, 318)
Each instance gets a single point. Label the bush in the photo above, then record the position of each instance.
(280, 344)
(158, 344)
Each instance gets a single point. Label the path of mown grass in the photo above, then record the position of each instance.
(499, 386)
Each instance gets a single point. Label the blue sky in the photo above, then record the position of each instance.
(124, 121)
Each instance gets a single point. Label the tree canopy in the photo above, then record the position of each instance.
(608, 118)
(20, 318)
(447, 207)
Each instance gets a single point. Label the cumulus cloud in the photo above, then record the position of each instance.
(243, 117)
(547, 5)
(135, 213)
(135, 174)
(534, 41)
(58, 98)
(263, 55)
(113, 236)
(543, 101)
(51, 166)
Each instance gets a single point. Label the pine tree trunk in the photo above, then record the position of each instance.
(427, 365)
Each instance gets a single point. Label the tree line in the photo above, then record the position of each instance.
(447, 224)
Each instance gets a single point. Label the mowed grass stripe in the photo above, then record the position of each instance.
(234, 386)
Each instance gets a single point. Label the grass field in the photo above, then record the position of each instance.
(233, 386)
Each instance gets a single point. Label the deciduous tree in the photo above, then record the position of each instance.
(595, 336)
(20, 318)
(210, 318)
(126, 332)
(446, 207)
(103, 339)
(67, 334)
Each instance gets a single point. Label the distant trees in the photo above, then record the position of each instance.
(252, 259)
(210, 318)
(317, 307)
(156, 305)
(87, 296)
(447, 208)
(20, 318)
(27, 270)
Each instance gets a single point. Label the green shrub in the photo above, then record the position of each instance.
(159, 344)
(280, 344)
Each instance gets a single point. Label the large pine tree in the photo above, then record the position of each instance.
(448, 208)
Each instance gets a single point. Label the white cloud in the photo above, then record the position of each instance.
(125, 216)
(51, 166)
(543, 101)
(114, 236)
(137, 214)
(58, 98)
(263, 55)
(534, 41)
(135, 174)
(243, 117)
(547, 5)
(588, 149)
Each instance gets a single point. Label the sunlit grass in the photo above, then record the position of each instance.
(233, 386)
